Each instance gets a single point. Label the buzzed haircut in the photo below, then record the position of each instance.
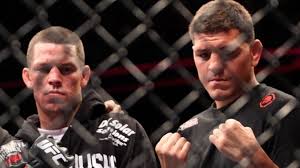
(56, 35)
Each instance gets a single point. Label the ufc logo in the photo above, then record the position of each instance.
(48, 147)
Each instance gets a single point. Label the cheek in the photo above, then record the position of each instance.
(38, 82)
(74, 84)
(241, 68)
(200, 70)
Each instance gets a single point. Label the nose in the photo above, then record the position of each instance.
(55, 77)
(216, 64)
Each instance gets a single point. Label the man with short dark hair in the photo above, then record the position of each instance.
(57, 75)
(225, 135)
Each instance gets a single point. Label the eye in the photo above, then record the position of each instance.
(228, 54)
(205, 54)
(67, 69)
(42, 69)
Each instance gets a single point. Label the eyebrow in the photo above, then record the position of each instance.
(41, 64)
(220, 47)
(199, 51)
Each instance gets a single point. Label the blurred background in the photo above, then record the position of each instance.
(141, 53)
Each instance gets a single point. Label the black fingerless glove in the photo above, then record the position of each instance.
(46, 149)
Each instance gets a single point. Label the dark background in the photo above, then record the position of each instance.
(126, 44)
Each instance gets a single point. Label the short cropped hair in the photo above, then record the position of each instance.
(220, 16)
(56, 35)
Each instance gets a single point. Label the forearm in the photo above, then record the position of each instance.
(260, 159)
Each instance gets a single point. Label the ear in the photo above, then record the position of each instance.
(86, 73)
(193, 47)
(26, 77)
(256, 51)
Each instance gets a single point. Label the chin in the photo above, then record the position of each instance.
(53, 109)
(219, 98)
(220, 95)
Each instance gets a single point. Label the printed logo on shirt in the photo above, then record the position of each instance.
(267, 100)
(188, 124)
(115, 131)
(95, 160)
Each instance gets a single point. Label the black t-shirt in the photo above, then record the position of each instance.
(263, 108)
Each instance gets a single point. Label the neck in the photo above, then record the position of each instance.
(55, 120)
(246, 87)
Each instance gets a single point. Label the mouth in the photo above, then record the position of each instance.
(58, 93)
(217, 80)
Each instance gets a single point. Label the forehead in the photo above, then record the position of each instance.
(53, 53)
(221, 39)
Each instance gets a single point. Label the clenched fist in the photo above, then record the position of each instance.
(172, 150)
(239, 143)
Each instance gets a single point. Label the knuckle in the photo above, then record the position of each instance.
(187, 145)
(167, 136)
(182, 139)
(215, 131)
(172, 152)
(176, 135)
(161, 150)
(221, 126)
(211, 138)
(221, 142)
(230, 121)
(181, 156)
(230, 124)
